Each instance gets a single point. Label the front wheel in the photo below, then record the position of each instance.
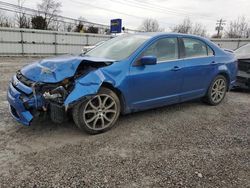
(217, 90)
(99, 113)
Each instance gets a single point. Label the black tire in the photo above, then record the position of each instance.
(210, 98)
(79, 112)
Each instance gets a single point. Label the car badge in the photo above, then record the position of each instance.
(15, 82)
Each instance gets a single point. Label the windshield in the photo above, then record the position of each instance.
(244, 50)
(118, 48)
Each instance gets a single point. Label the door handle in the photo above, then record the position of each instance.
(176, 68)
(214, 63)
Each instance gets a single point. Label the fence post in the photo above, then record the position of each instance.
(22, 42)
(55, 43)
(238, 45)
(87, 39)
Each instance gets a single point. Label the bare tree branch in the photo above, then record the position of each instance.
(21, 18)
(5, 21)
(150, 25)
(49, 9)
(186, 26)
(238, 28)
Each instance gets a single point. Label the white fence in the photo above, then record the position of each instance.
(231, 44)
(39, 42)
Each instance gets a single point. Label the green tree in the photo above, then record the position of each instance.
(38, 22)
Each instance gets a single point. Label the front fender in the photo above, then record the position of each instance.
(86, 86)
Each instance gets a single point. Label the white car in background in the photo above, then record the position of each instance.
(87, 48)
(243, 56)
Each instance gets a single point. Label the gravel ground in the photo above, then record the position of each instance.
(184, 145)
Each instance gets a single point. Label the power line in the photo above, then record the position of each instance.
(161, 6)
(106, 9)
(148, 6)
(220, 23)
(143, 6)
(134, 16)
(110, 10)
(16, 9)
(165, 9)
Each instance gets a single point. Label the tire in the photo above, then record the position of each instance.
(217, 90)
(98, 113)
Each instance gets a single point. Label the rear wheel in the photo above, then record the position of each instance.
(217, 90)
(99, 113)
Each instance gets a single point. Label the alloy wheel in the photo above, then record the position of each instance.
(218, 90)
(100, 112)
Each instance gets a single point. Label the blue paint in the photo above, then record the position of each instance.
(116, 26)
(148, 60)
(54, 70)
(142, 86)
(19, 85)
(18, 110)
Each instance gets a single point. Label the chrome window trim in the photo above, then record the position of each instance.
(186, 58)
(178, 59)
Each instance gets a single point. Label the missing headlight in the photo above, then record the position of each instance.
(58, 94)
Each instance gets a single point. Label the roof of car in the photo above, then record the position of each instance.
(158, 34)
(163, 33)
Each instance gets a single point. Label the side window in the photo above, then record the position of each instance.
(194, 48)
(210, 52)
(164, 49)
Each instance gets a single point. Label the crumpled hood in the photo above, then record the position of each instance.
(53, 70)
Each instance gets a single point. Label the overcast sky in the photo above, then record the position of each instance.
(167, 12)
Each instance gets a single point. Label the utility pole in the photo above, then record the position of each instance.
(220, 23)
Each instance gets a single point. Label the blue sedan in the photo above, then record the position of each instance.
(126, 74)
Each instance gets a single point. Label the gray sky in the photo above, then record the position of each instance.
(167, 12)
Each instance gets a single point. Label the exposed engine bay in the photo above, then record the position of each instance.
(49, 97)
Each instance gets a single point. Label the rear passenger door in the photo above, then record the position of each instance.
(198, 62)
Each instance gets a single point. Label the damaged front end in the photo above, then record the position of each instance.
(29, 99)
(40, 89)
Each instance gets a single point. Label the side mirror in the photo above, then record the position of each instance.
(148, 60)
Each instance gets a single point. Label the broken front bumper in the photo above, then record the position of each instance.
(243, 80)
(21, 101)
(17, 108)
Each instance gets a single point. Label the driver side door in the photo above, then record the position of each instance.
(159, 84)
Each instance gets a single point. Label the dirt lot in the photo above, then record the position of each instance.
(185, 145)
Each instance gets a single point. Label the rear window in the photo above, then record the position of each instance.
(196, 48)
